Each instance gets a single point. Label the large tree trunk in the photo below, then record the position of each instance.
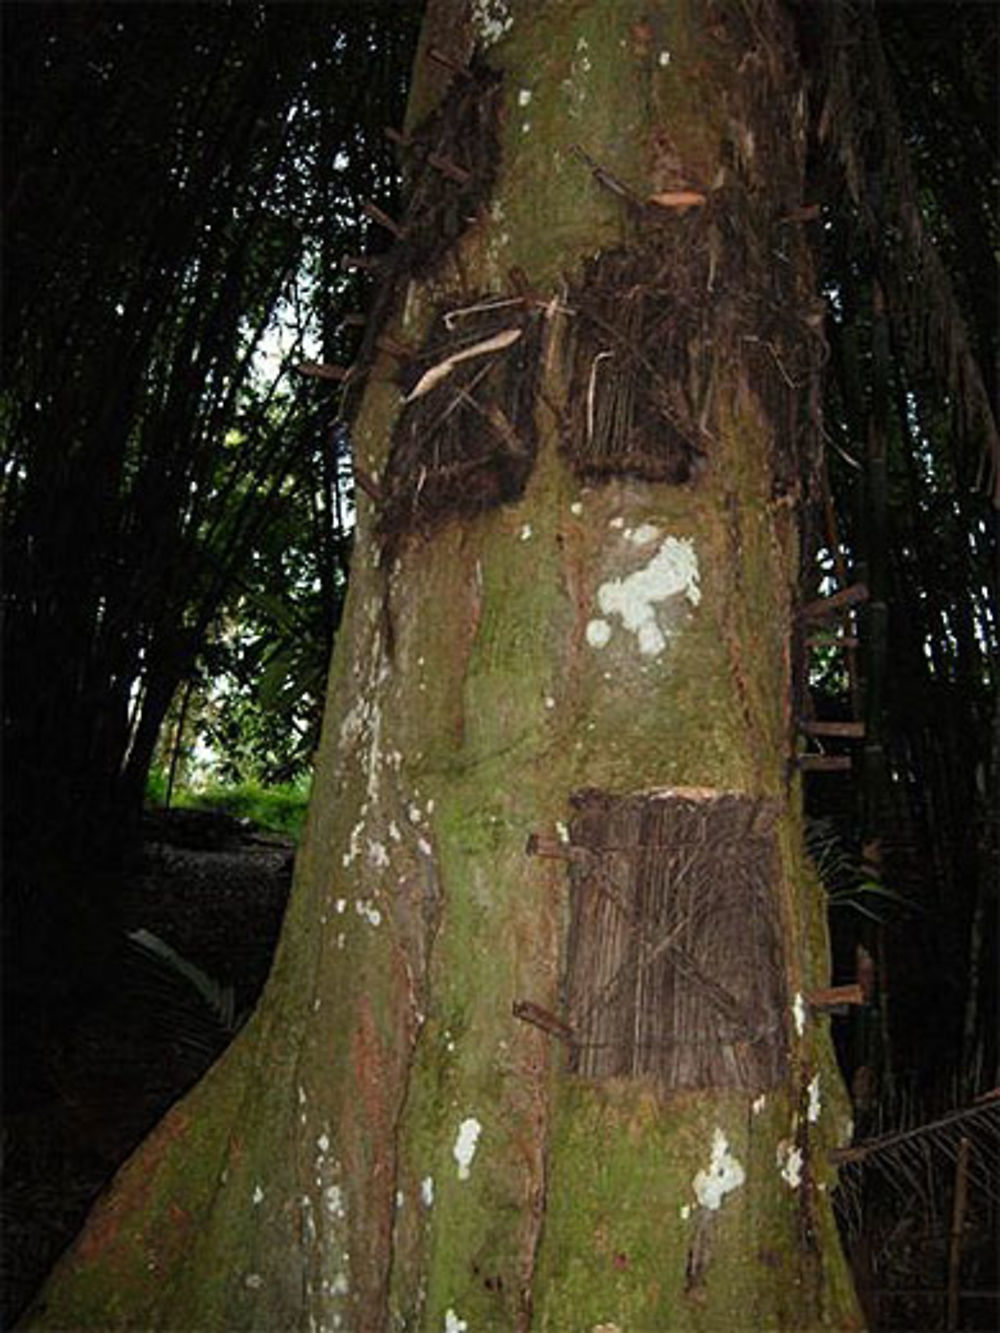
(536, 1050)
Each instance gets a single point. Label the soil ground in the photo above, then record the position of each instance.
(211, 888)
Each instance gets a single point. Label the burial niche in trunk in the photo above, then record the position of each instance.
(674, 968)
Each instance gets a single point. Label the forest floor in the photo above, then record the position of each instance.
(212, 889)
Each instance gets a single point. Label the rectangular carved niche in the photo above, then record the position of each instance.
(674, 962)
(465, 439)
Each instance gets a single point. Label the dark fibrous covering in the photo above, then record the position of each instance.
(451, 161)
(674, 967)
(465, 439)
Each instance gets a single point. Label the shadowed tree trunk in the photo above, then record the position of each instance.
(536, 1050)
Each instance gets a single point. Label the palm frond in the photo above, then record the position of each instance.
(906, 1157)
(218, 1000)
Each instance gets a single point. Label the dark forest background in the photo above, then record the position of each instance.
(192, 197)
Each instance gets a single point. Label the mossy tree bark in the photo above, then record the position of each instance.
(410, 1132)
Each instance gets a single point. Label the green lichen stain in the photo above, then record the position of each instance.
(624, 1214)
(124, 1272)
(688, 64)
(577, 66)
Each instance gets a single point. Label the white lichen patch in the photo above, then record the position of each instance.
(354, 844)
(452, 1323)
(799, 1013)
(334, 1200)
(354, 723)
(427, 1191)
(465, 1145)
(815, 1104)
(375, 754)
(575, 87)
(671, 572)
(378, 855)
(643, 534)
(254, 1281)
(491, 19)
(598, 633)
(368, 911)
(789, 1159)
(724, 1174)
(308, 1221)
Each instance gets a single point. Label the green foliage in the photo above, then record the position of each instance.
(263, 670)
(280, 808)
(156, 787)
(850, 884)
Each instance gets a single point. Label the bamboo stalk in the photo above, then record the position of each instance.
(448, 168)
(325, 371)
(448, 62)
(368, 484)
(365, 262)
(382, 219)
(543, 1019)
(540, 844)
(847, 730)
(399, 350)
(957, 1224)
(822, 607)
(824, 763)
(834, 997)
